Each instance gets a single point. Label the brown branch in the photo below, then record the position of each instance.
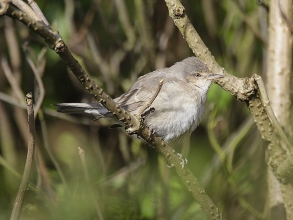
(38, 70)
(29, 160)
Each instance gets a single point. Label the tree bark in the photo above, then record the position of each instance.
(278, 88)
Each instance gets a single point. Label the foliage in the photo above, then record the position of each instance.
(123, 178)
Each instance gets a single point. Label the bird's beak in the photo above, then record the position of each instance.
(214, 76)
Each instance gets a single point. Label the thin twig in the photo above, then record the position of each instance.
(143, 26)
(97, 58)
(212, 137)
(11, 79)
(163, 43)
(29, 160)
(8, 99)
(11, 100)
(38, 70)
(13, 48)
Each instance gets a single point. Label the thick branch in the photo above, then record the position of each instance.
(279, 63)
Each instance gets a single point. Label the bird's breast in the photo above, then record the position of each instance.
(176, 117)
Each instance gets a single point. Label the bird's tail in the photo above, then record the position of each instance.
(95, 109)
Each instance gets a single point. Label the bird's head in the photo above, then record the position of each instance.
(197, 73)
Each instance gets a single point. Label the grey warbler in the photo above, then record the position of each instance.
(178, 108)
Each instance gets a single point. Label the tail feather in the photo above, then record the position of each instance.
(95, 109)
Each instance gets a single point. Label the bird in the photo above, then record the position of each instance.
(178, 107)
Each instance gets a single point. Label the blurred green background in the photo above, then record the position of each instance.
(120, 177)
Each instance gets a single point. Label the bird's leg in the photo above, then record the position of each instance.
(141, 115)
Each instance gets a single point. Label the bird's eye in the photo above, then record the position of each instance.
(197, 74)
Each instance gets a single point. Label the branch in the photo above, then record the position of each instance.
(269, 110)
(38, 70)
(29, 160)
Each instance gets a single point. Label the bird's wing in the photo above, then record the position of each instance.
(142, 90)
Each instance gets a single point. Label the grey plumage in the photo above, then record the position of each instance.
(179, 106)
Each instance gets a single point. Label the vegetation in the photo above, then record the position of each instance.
(84, 170)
